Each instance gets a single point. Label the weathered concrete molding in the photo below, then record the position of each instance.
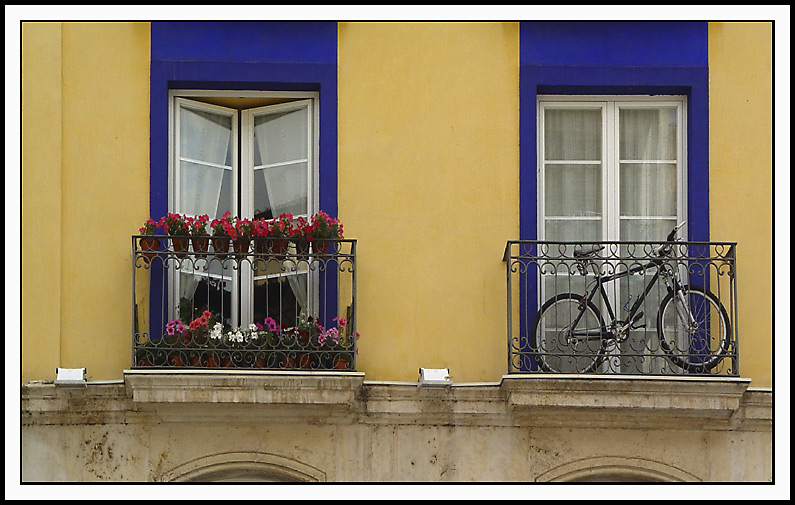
(618, 469)
(242, 466)
(207, 394)
(703, 401)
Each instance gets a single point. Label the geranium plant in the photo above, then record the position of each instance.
(261, 228)
(282, 226)
(149, 227)
(223, 227)
(197, 226)
(244, 228)
(324, 226)
(197, 229)
(174, 224)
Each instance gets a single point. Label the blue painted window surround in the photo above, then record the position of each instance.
(261, 56)
(616, 58)
(612, 58)
(236, 55)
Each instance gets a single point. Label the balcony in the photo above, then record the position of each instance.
(634, 308)
(265, 304)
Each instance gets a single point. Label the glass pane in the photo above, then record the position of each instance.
(281, 189)
(262, 204)
(646, 229)
(281, 137)
(561, 282)
(281, 298)
(205, 136)
(647, 134)
(573, 134)
(200, 292)
(590, 230)
(573, 190)
(201, 187)
(648, 189)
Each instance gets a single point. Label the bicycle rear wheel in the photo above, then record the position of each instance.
(696, 345)
(558, 350)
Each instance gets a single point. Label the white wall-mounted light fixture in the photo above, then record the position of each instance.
(70, 377)
(434, 377)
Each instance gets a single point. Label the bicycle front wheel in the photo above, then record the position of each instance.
(568, 335)
(694, 329)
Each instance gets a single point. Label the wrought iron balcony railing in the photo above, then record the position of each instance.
(643, 308)
(264, 304)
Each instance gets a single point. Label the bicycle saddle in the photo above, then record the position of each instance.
(585, 251)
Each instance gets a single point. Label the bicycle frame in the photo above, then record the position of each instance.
(634, 314)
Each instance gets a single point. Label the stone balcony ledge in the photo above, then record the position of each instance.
(177, 395)
(696, 402)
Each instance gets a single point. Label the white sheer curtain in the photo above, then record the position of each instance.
(282, 144)
(573, 174)
(205, 168)
(648, 172)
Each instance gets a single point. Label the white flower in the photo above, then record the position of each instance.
(217, 331)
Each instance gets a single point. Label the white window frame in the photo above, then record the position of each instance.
(609, 104)
(241, 177)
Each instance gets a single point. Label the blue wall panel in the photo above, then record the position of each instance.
(627, 58)
(612, 58)
(263, 56)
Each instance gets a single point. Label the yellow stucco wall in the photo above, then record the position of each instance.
(41, 199)
(428, 184)
(741, 178)
(428, 166)
(96, 166)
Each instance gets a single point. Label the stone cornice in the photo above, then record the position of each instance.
(328, 397)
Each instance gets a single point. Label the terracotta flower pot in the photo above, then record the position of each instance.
(221, 245)
(260, 245)
(180, 244)
(260, 361)
(142, 359)
(176, 360)
(320, 247)
(212, 360)
(287, 362)
(305, 360)
(241, 245)
(149, 244)
(201, 244)
(341, 363)
(277, 246)
(301, 247)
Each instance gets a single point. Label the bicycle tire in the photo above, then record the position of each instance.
(693, 360)
(553, 362)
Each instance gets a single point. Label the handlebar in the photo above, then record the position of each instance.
(664, 249)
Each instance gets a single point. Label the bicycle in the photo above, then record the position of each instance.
(580, 345)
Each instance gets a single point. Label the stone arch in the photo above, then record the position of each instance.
(616, 469)
(244, 466)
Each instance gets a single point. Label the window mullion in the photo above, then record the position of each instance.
(246, 210)
(612, 188)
